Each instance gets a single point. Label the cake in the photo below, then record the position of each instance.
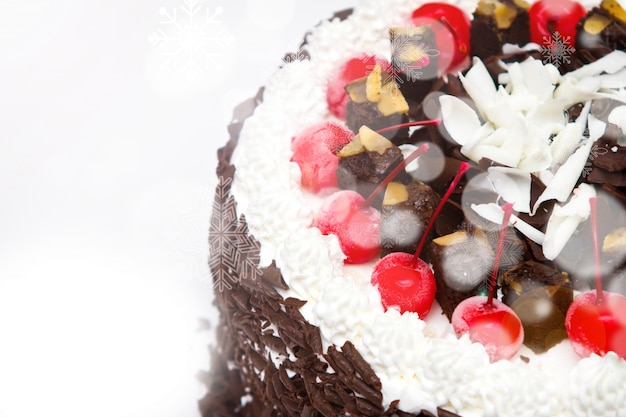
(305, 328)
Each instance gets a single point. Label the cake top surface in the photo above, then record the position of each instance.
(513, 122)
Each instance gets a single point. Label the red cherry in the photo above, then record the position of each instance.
(487, 320)
(548, 17)
(352, 69)
(597, 327)
(403, 284)
(596, 320)
(314, 151)
(356, 225)
(452, 32)
(495, 326)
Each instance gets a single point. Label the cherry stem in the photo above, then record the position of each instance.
(596, 249)
(412, 156)
(410, 124)
(455, 33)
(457, 178)
(508, 210)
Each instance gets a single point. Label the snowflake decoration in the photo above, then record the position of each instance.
(192, 41)
(300, 55)
(409, 57)
(556, 49)
(233, 251)
(595, 152)
(466, 265)
(400, 229)
(512, 248)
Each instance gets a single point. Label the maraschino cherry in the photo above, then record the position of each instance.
(452, 32)
(596, 320)
(549, 17)
(352, 69)
(404, 280)
(315, 149)
(488, 321)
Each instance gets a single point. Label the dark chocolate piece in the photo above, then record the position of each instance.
(540, 296)
(363, 172)
(403, 222)
(598, 44)
(487, 38)
(461, 262)
(414, 61)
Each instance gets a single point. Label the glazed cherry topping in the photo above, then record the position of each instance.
(452, 32)
(548, 17)
(404, 284)
(596, 320)
(404, 280)
(356, 225)
(487, 320)
(351, 218)
(314, 150)
(352, 69)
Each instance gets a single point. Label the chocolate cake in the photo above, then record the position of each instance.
(304, 333)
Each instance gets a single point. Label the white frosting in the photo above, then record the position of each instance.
(607, 376)
(309, 260)
(421, 363)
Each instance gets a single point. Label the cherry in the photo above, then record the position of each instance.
(596, 320)
(495, 326)
(352, 69)
(488, 321)
(404, 280)
(314, 150)
(595, 326)
(351, 218)
(548, 17)
(403, 284)
(452, 32)
(356, 225)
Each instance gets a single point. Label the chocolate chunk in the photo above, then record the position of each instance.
(363, 171)
(461, 264)
(598, 43)
(497, 23)
(406, 210)
(540, 296)
(414, 59)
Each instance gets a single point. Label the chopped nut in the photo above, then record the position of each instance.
(504, 15)
(615, 9)
(373, 85)
(354, 147)
(615, 241)
(596, 24)
(372, 141)
(392, 100)
(395, 193)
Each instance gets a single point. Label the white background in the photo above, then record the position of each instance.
(107, 159)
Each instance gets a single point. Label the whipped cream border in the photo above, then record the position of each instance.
(420, 362)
